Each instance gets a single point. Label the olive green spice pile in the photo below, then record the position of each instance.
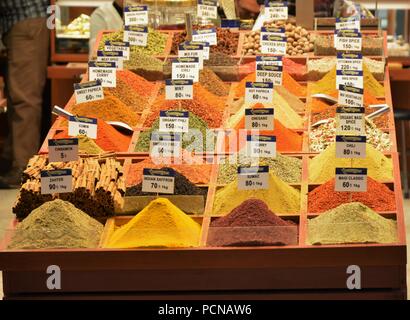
(220, 59)
(351, 223)
(211, 82)
(190, 140)
(55, 225)
(145, 65)
(289, 169)
(155, 45)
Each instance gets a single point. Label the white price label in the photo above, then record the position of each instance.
(351, 147)
(207, 9)
(349, 78)
(189, 50)
(165, 145)
(350, 121)
(56, 181)
(179, 89)
(205, 35)
(158, 181)
(348, 40)
(256, 92)
(135, 15)
(275, 10)
(136, 35)
(269, 61)
(349, 61)
(253, 178)
(106, 72)
(82, 126)
(174, 121)
(351, 180)
(205, 45)
(88, 91)
(111, 56)
(261, 146)
(350, 96)
(185, 69)
(348, 23)
(273, 44)
(121, 46)
(269, 74)
(62, 150)
(259, 119)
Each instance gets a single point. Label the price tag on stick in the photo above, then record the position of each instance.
(273, 44)
(82, 126)
(349, 78)
(253, 178)
(207, 9)
(185, 69)
(179, 89)
(351, 180)
(269, 74)
(351, 147)
(62, 150)
(174, 121)
(165, 145)
(350, 96)
(349, 61)
(348, 23)
(261, 146)
(136, 35)
(269, 61)
(111, 56)
(106, 72)
(205, 35)
(121, 46)
(259, 119)
(276, 10)
(88, 91)
(190, 50)
(56, 181)
(259, 92)
(348, 40)
(158, 180)
(135, 15)
(350, 121)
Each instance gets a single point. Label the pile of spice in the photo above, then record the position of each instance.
(160, 224)
(145, 65)
(297, 71)
(324, 135)
(211, 82)
(371, 45)
(289, 169)
(190, 140)
(378, 197)
(127, 95)
(322, 167)
(283, 112)
(182, 187)
(318, 68)
(227, 41)
(220, 59)
(98, 186)
(196, 173)
(351, 223)
(287, 140)
(327, 84)
(56, 225)
(242, 227)
(204, 105)
(143, 87)
(108, 109)
(293, 101)
(299, 40)
(287, 81)
(280, 197)
(155, 45)
(108, 139)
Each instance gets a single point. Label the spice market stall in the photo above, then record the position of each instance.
(137, 228)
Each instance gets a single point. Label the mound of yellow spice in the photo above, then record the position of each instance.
(322, 167)
(280, 197)
(160, 224)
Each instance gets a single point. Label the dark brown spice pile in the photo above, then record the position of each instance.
(251, 213)
(182, 187)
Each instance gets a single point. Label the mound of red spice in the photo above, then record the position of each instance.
(139, 84)
(108, 138)
(378, 197)
(296, 70)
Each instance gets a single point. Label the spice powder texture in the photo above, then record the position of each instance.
(159, 224)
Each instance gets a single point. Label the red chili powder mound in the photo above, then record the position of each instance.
(205, 105)
(287, 140)
(378, 197)
(139, 84)
(296, 70)
(288, 82)
(108, 138)
(246, 218)
(196, 173)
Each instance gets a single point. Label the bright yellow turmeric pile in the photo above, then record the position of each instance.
(160, 224)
